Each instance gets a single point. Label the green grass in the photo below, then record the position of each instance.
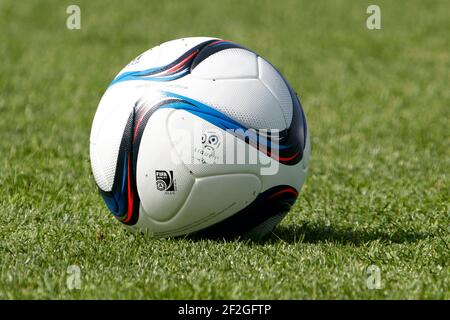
(378, 106)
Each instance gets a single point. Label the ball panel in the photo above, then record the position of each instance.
(276, 85)
(245, 100)
(106, 135)
(232, 63)
(258, 218)
(206, 205)
(191, 137)
(163, 182)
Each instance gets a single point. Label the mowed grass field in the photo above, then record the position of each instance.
(377, 194)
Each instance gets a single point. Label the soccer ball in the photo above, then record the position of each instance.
(199, 136)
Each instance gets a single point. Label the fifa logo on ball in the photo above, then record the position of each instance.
(164, 180)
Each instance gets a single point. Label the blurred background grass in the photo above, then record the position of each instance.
(377, 103)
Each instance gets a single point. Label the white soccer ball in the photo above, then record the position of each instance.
(199, 135)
